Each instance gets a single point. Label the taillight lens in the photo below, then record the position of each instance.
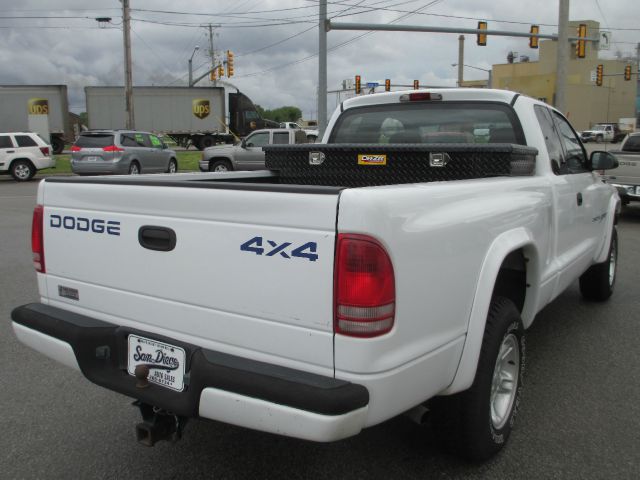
(37, 238)
(364, 286)
(75, 148)
(113, 148)
(45, 150)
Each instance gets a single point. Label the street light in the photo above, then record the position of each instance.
(488, 70)
(196, 48)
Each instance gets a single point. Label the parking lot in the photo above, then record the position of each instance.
(580, 416)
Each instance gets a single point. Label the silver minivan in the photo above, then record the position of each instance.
(101, 152)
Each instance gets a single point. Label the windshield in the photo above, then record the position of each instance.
(455, 122)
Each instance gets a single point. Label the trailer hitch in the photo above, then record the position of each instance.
(158, 424)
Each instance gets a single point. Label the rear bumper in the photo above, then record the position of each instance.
(106, 167)
(628, 193)
(221, 387)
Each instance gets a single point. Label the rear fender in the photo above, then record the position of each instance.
(612, 212)
(502, 246)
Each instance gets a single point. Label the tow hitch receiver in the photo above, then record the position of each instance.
(158, 424)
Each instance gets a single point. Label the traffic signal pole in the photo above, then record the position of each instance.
(562, 56)
(322, 69)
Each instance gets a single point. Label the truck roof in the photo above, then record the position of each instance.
(448, 94)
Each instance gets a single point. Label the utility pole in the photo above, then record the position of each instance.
(460, 60)
(562, 56)
(211, 52)
(128, 80)
(322, 69)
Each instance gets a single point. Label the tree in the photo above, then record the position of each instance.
(282, 114)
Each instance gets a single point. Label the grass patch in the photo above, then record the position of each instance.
(187, 162)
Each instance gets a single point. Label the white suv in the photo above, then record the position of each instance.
(23, 153)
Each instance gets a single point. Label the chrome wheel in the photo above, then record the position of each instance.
(221, 168)
(134, 169)
(613, 260)
(504, 384)
(22, 172)
(173, 168)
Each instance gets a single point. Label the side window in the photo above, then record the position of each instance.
(25, 141)
(575, 156)
(5, 141)
(280, 138)
(155, 142)
(258, 140)
(550, 139)
(146, 141)
(127, 140)
(632, 144)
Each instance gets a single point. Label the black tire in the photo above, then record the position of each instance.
(599, 139)
(465, 422)
(206, 142)
(312, 138)
(57, 145)
(22, 170)
(220, 166)
(173, 166)
(134, 168)
(598, 282)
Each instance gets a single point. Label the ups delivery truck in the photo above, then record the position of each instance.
(190, 115)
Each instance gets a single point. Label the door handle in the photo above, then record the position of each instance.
(160, 239)
(11, 151)
(579, 198)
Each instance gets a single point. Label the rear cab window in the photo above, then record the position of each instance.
(429, 122)
(94, 141)
(280, 138)
(632, 144)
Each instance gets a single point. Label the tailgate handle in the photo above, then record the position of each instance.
(161, 239)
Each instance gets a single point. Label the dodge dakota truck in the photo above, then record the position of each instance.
(392, 269)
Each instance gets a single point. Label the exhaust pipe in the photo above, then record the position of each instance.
(158, 425)
(418, 415)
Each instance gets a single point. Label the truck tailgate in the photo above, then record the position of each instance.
(251, 272)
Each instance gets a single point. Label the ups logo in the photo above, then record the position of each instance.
(201, 108)
(38, 106)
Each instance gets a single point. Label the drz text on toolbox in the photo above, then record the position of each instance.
(391, 269)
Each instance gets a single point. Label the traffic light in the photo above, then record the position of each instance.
(416, 84)
(213, 74)
(482, 37)
(387, 85)
(220, 71)
(358, 85)
(533, 41)
(627, 72)
(229, 63)
(599, 74)
(581, 46)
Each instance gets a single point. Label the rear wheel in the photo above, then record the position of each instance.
(220, 166)
(134, 168)
(477, 423)
(22, 170)
(597, 283)
(57, 145)
(206, 142)
(599, 139)
(312, 138)
(173, 166)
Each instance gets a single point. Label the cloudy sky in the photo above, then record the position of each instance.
(276, 42)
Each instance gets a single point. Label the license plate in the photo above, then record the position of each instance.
(92, 159)
(166, 362)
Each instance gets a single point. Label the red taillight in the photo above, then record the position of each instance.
(37, 238)
(365, 294)
(75, 148)
(45, 151)
(113, 148)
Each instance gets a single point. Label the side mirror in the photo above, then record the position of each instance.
(243, 143)
(164, 146)
(601, 160)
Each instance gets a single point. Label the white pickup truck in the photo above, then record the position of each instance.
(626, 178)
(392, 269)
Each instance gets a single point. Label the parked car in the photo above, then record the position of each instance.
(24, 153)
(626, 178)
(120, 152)
(248, 154)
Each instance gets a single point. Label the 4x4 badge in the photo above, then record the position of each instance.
(439, 159)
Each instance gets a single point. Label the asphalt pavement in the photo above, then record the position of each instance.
(580, 416)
